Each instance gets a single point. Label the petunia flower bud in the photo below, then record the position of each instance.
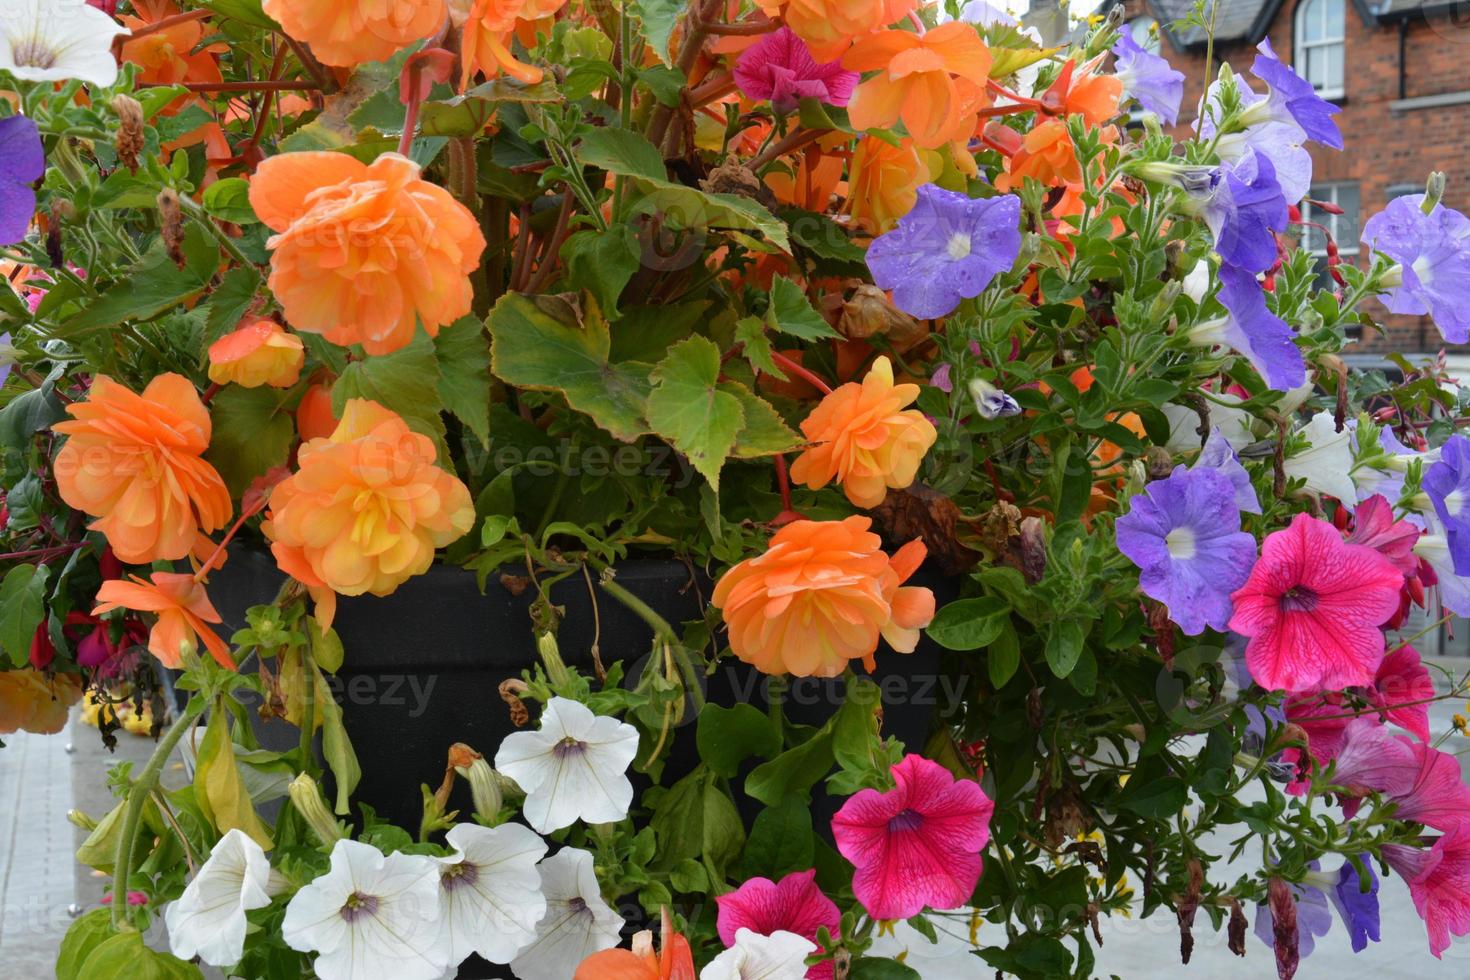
(306, 797)
(556, 668)
(1433, 191)
(485, 788)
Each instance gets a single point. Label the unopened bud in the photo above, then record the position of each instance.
(81, 821)
(1433, 191)
(484, 788)
(129, 141)
(306, 797)
(556, 668)
(1159, 461)
(171, 220)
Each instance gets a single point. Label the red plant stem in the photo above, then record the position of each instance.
(209, 393)
(309, 62)
(550, 253)
(219, 550)
(788, 364)
(792, 141)
(783, 480)
(410, 120)
(746, 28)
(716, 87)
(42, 553)
(293, 85)
(999, 89)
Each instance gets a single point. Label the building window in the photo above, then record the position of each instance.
(1342, 227)
(1145, 33)
(1402, 190)
(1320, 38)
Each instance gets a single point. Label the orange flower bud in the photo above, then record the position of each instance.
(259, 353)
(314, 418)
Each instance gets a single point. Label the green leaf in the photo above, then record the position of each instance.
(969, 624)
(125, 957)
(781, 840)
(602, 262)
(856, 744)
(793, 772)
(218, 788)
(468, 114)
(29, 413)
(658, 19)
(229, 200)
(765, 432)
(229, 302)
(792, 314)
(645, 333)
(689, 876)
(22, 607)
(463, 353)
(337, 750)
(149, 290)
(85, 935)
(684, 208)
(696, 819)
(406, 381)
(543, 342)
(622, 151)
(1158, 798)
(666, 84)
(1064, 646)
(247, 11)
(729, 736)
(253, 432)
(326, 646)
(874, 968)
(1003, 658)
(750, 332)
(688, 408)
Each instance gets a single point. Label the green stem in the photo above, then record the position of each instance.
(137, 797)
(663, 631)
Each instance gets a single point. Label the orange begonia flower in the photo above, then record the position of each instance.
(830, 26)
(135, 463)
(365, 252)
(33, 701)
(674, 962)
(172, 55)
(346, 33)
(1046, 155)
(488, 32)
(259, 353)
(820, 597)
(1094, 98)
(865, 439)
(884, 182)
(182, 607)
(366, 509)
(934, 82)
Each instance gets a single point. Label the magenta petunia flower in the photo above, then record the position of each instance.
(1312, 609)
(918, 845)
(1439, 883)
(780, 67)
(1403, 689)
(793, 904)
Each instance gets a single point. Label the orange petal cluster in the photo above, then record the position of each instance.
(172, 55)
(884, 182)
(259, 353)
(366, 509)
(829, 27)
(346, 33)
(183, 610)
(821, 597)
(365, 252)
(135, 462)
(934, 82)
(865, 438)
(33, 701)
(489, 31)
(674, 962)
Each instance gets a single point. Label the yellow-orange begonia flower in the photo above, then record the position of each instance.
(346, 33)
(366, 509)
(821, 597)
(934, 82)
(183, 610)
(488, 33)
(1046, 155)
(884, 182)
(34, 701)
(365, 252)
(865, 439)
(830, 26)
(135, 462)
(172, 55)
(259, 353)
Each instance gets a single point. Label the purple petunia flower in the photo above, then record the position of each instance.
(1280, 142)
(1293, 98)
(1243, 206)
(1183, 533)
(1252, 330)
(1357, 909)
(780, 67)
(1447, 484)
(1149, 79)
(22, 163)
(1433, 253)
(1219, 455)
(947, 249)
(1313, 918)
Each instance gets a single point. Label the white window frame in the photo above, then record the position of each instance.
(1348, 246)
(1302, 47)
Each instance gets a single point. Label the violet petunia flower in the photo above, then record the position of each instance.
(1218, 455)
(1184, 535)
(1243, 206)
(780, 67)
(1447, 484)
(1293, 98)
(1357, 908)
(1433, 253)
(1283, 143)
(1149, 79)
(1252, 330)
(22, 163)
(947, 249)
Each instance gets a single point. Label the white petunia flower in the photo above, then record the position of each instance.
(55, 40)
(574, 768)
(1327, 462)
(491, 891)
(208, 920)
(371, 917)
(779, 956)
(577, 923)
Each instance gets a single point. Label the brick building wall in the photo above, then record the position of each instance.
(1401, 118)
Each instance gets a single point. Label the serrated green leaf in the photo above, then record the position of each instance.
(688, 408)
(252, 432)
(792, 314)
(602, 262)
(229, 200)
(683, 208)
(621, 151)
(658, 18)
(750, 331)
(468, 114)
(463, 353)
(765, 433)
(406, 381)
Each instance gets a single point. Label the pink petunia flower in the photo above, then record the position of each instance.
(781, 68)
(794, 904)
(1402, 690)
(1439, 883)
(917, 845)
(1312, 608)
(1374, 526)
(1424, 782)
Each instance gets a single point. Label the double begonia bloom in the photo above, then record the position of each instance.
(366, 509)
(820, 597)
(346, 33)
(135, 462)
(865, 438)
(363, 252)
(1312, 609)
(183, 610)
(259, 353)
(884, 182)
(934, 82)
(918, 845)
(488, 34)
(830, 26)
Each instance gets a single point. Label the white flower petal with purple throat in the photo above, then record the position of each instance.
(370, 917)
(574, 768)
(491, 891)
(577, 922)
(779, 956)
(1281, 141)
(57, 40)
(208, 920)
(1326, 462)
(1433, 255)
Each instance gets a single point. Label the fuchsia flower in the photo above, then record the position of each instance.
(1312, 609)
(1439, 883)
(794, 904)
(917, 845)
(781, 68)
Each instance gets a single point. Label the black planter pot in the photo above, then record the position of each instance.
(423, 668)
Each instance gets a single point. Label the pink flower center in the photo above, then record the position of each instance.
(1298, 598)
(907, 820)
